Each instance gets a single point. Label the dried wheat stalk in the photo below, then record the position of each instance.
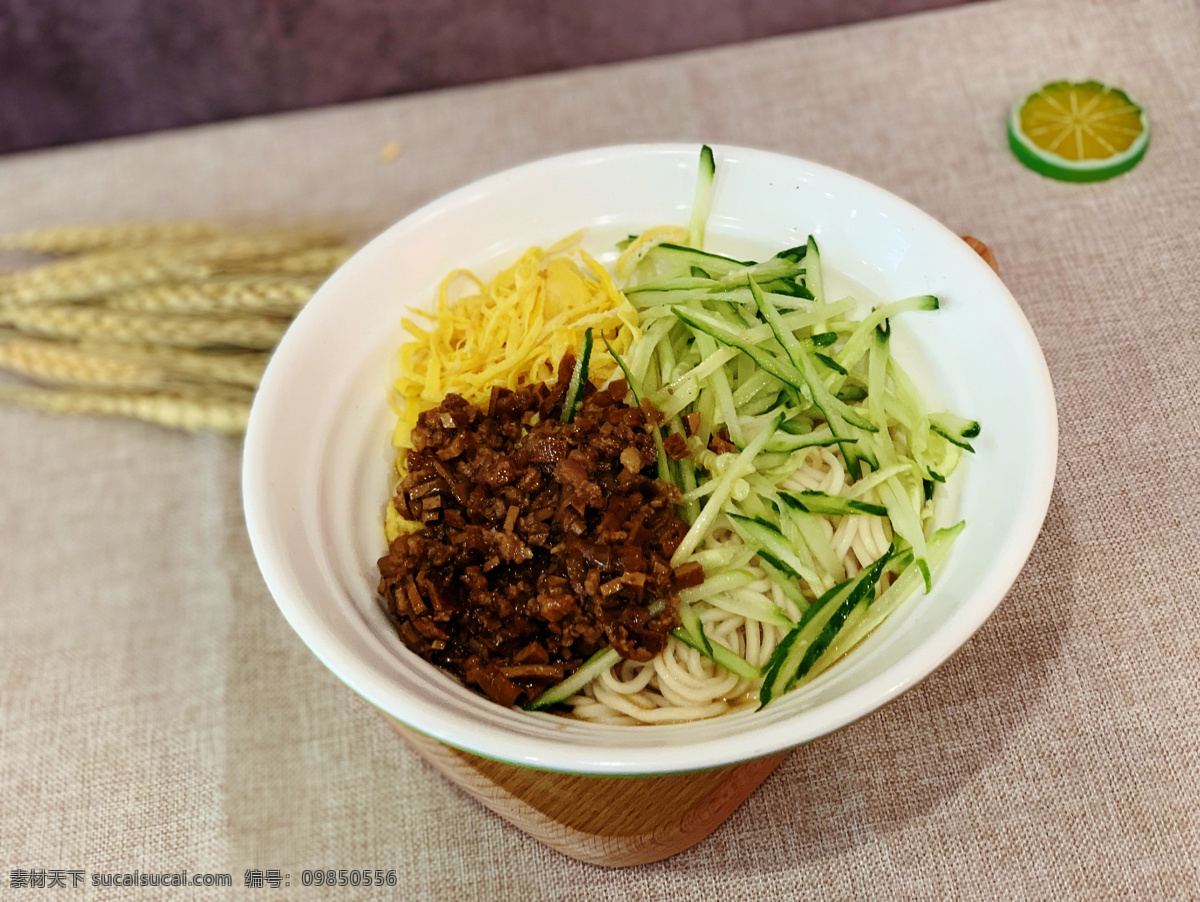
(175, 411)
(166, 322)
(63, 240)
(243, 368)
(84, 365)
(76, 322)
(317, 261)
(275, 295)
(60, 363)
(93, 275)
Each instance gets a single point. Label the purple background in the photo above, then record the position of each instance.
(75, 70)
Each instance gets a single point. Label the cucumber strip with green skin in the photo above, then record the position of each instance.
(906, 521)
(684, 258)
(578, 378)
(877, 360)
(787, 339)
(630, 379)
(687, 470)
(687, 482)
(719, 654)
(689, 283)
(822, 339)
(754, 606)
(810, 639)
(783, 266)
(786, 584)
(861, 592)
(588, 671)
(799, 425)
(813, 276)
(666, 466)
(954, 429)
(718, 381)
(759, 332)
(664, 469)
(690, 624)
(850, 393)
(791, 647)
(901, 589)
(788, 642)
(699, 372)
(768, 541)
(820, 547)
(723, 556)
(625, 242)
(869, 482)
(707, 325)
(760, 404)
(785, 441)
(906, 401)
(643, 351)
(725, 581)
(676, 402)
(939, 458)
(793, 254)
(774, 462)
(789, 287)
(735, 312)
(811, 502)
(742, 465)
(832, 364)
(837, 414)
(703, 199)
(859, 340)
(711, 293)
(753, 385)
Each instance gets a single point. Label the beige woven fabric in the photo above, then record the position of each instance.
(158, 713)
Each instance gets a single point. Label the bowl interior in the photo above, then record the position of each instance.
(318, 458)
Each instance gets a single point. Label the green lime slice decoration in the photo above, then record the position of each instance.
(1078, 131)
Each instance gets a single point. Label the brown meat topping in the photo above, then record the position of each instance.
(676, 446)
(543, 541)
(721, 443)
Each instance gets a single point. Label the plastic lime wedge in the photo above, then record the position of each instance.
(1078, 131)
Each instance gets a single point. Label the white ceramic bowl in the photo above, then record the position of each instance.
(317, 454)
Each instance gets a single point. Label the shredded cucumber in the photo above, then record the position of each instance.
(700, 207)
(812, 502)
(721, 655)
(578, 377)
(954, 429)
(591, 668)
(759, 349)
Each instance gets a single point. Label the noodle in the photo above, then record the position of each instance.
(681, 684)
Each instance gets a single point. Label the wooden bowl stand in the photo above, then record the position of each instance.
(613, 821)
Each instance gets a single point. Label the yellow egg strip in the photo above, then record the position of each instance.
(511, 331)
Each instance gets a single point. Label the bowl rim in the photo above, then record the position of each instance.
(705, 754)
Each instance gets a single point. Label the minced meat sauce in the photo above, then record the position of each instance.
(543, 541)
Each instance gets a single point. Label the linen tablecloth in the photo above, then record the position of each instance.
(159, 714)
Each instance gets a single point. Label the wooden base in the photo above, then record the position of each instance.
(613, 821)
